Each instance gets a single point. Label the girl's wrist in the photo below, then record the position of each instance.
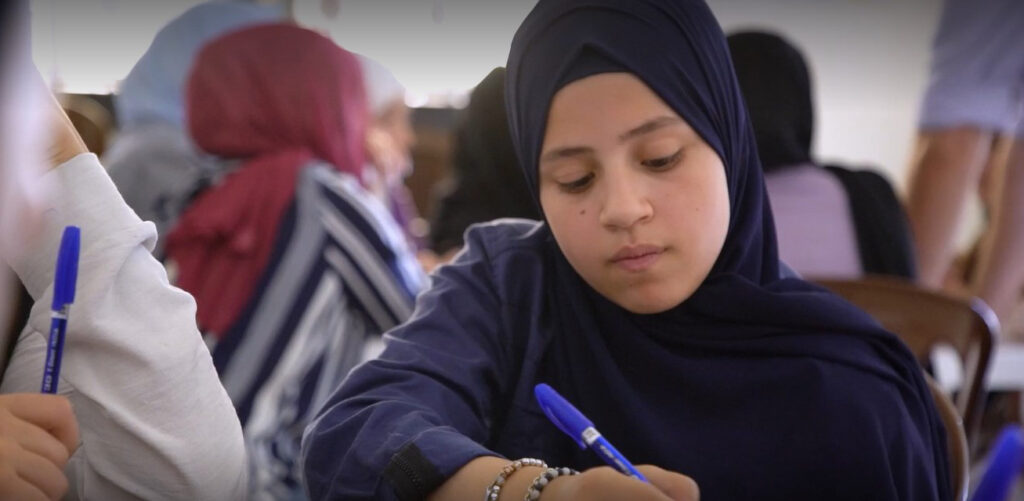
(556, 486)
(472, 480)
(493, 492)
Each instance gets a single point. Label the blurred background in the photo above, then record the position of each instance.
(869, 60)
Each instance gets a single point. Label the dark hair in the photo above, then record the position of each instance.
(487, 182)
(776, 86)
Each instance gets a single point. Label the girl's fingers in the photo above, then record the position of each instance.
(41, 474)
(52, 413)
(675, 485)
(38, 441)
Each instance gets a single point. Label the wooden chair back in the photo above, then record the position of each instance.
(924, 319)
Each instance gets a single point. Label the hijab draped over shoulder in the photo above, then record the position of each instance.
(275, 97)
(744, 356)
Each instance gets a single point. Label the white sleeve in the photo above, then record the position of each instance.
(154, 420)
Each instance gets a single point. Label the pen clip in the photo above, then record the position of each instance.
(67, 268)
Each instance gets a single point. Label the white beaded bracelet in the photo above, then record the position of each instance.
(542, 481)
(492, 492)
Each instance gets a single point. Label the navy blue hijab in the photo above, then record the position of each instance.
(758, 387)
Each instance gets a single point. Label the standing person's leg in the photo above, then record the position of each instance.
(1000, 275)
(972, 97)
(947, 168)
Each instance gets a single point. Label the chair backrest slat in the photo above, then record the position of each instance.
(924, 319)
(956, 440)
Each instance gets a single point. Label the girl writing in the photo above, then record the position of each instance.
(650, 297)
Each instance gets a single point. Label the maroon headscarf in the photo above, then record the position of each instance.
(276, 97)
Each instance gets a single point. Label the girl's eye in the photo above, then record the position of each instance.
(577, 185)
(663, 162)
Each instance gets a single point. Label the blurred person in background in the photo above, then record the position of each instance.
(486, 181)
(389, 141)
(831, 221)
(152, 160)
(295, 265)
(970, 122)
(140, 413)
(964, 268)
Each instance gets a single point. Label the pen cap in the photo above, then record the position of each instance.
(67, 268)
(571, 421)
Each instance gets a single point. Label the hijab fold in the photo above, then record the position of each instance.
(277, 98)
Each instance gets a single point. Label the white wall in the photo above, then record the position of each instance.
(439, 49)
(87, 46)
(869, 58)
(869, 61)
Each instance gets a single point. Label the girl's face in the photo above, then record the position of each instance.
(636, 199)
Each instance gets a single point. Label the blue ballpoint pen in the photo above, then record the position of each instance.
(64, 282)
(571, 421)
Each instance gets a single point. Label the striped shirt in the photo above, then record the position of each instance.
(340, 275)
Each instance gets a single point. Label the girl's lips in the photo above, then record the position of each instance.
(641, 263)
(637, 258)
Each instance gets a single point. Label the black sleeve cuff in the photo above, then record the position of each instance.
(411, 475)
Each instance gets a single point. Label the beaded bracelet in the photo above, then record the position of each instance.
(542, 481)
(491, 494)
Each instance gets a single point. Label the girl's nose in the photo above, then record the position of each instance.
(625, 201)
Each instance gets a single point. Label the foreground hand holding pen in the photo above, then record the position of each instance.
(38, 432)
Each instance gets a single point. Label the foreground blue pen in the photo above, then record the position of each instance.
(64, 281)
(571, 421)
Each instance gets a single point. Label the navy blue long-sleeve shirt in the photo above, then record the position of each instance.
(456, 382)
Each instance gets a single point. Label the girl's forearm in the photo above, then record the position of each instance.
(470, 481)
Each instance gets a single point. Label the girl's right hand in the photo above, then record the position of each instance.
(605, 483)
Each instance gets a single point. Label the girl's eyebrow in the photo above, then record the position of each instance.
(644, 128)
(649, 126)
(566, 152)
